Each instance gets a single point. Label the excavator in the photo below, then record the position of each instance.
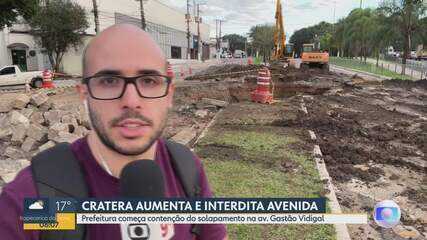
(282, 51)
(312, 56)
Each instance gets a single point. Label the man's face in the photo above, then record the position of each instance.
(131, 124)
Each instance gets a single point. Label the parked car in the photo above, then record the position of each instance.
(239, 54)
(12, 76)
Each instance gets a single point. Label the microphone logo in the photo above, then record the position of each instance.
(138, 231)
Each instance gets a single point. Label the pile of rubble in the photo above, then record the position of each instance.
(187, 121)
(33, 123)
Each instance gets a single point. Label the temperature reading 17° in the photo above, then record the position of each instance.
(61, 205)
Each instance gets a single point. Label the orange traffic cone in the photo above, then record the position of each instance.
(263, 93)
(169, 72)
(47, 79)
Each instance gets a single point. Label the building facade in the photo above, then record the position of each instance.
(165, 24)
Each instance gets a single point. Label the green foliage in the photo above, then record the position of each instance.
(59, 25)
(307, 35)
(258, 174)
(326, 41)
(263, 39)
(237, 42)
(368, 32)
(406, 17)
(12, 9)
(420, 36)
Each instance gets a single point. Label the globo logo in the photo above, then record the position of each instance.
(387, 214)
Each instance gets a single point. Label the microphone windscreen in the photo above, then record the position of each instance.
(142, 179)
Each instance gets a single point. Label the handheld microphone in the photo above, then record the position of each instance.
(143, 179)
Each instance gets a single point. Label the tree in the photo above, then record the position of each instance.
(406, 14)
(359, 25)
(381, 33)
(420, 36)
(237, 42)
(306, 35)
(263, 39)
(58, 26)
(326, 41)
(338, 37)
(11, 9)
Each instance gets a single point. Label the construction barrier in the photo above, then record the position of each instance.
(262, 93)
(47, 79)
(169, 72)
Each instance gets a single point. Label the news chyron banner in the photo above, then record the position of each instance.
(64, 214)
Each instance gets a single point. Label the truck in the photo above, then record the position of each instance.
(13, 76)
(421, 53)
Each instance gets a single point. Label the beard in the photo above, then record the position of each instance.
(110, 143)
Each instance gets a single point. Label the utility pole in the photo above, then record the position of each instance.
(188, 18)
(220, 34)
(361, 4)
(141, 6)
(198, 20)
(95, 16)
(216, 35)
(335, 8)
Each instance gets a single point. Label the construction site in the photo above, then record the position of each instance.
(286, 128)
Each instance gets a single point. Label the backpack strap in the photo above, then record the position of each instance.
(185, 168)
(57, 173)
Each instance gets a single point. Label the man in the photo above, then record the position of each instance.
(128, 97)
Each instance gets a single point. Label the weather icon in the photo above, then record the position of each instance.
(37, 205)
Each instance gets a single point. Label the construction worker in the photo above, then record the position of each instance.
(128, 94)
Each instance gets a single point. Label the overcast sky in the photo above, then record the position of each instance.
(241, 15)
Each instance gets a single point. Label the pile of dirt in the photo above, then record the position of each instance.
(406, 84)
(292, 74)
(220, 70)
(347, 142)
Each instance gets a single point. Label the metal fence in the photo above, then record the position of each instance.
(420, 66)
(414, 69)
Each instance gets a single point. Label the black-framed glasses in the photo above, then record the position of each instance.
(110, 87)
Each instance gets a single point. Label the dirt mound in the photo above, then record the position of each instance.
(222, 69)
(292, 74)
(406, 83)
(350, 146)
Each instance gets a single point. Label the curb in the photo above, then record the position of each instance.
(341, 229)
(203, 133)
